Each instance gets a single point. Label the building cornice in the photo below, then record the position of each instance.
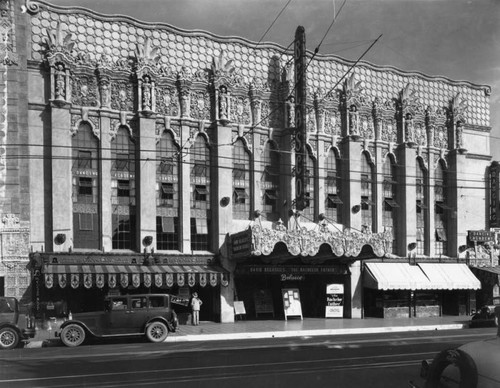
(34, 7)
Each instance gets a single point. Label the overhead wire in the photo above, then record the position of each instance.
(316, 50)
(252, 170)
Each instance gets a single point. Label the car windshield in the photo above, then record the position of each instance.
(5, 306)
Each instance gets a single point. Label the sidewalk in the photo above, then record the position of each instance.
(211, 331)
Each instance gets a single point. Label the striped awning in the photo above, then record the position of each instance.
(424, 276)
(133, 275)
(395, 276)
(450, 276)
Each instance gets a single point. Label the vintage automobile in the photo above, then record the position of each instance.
(485, 317)
(473, 365)
(151, 315)
(14, 326)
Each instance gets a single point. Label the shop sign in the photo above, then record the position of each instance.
(334, 301)
(241, 244)
(291, 277)
(300, 270)
(291, 302)
(494, 192)
(481, 235)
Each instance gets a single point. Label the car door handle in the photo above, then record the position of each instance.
(129, 312)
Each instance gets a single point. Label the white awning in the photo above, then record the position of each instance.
(453, 276)
(395, 276)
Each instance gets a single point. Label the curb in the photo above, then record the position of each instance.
(309, 333)
(278, 334)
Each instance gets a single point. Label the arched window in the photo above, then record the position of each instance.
(441, 210)
(167, 193)
(367, 182)
(123, 190)
(421, 197)
(269, 181)
(389, 204)
(333, 188)
(309, 210)
(241, 182)
(85, 171)
(200, 195)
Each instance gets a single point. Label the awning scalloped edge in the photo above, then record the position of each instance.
(304, 242)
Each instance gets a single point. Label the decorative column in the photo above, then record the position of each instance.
(457, 167)
(408, 113)
(221, 81)
(59, 59)
(146, 74)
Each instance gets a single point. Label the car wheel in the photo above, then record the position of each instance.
(9, 338)
(157, 331)
(73, 335)
(452, 358)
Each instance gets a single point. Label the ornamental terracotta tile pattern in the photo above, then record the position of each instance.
(119, 37)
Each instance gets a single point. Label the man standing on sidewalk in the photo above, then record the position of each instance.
(195, 306)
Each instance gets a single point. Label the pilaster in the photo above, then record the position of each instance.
(352, 168)
(62, 205)
(146, 177)
(407, 221)
(185, 191)
(223, 156)
(105, 184)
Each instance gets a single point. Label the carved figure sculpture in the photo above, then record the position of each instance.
(353, 121)
(223, 103)
(60, 82)
(146, 93)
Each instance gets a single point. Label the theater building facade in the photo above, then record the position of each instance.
(138, 157)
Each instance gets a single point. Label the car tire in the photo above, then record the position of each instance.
(73, 335)
(457, 357)
(156, 331)
(9, 338)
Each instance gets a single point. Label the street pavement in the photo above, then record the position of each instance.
(308, 327)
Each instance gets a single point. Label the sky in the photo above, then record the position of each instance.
(458, 39)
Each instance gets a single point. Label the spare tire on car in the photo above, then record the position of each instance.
(460, 360)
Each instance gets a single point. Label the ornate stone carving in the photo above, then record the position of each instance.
(290, 112)
(366, 127)
(200, 105)
(420, 134)
(256, 88)
(353, 121)
(184, 81)
(167, 101)
(10, 221)
(122, 96)
(240, 110)
(85, 91)
(31, 7)
(441, 137)
(406, 107)
(264, 121)
(146, 92)
(311, 126)
(456, 119)
(224, 105)
(389, 131)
